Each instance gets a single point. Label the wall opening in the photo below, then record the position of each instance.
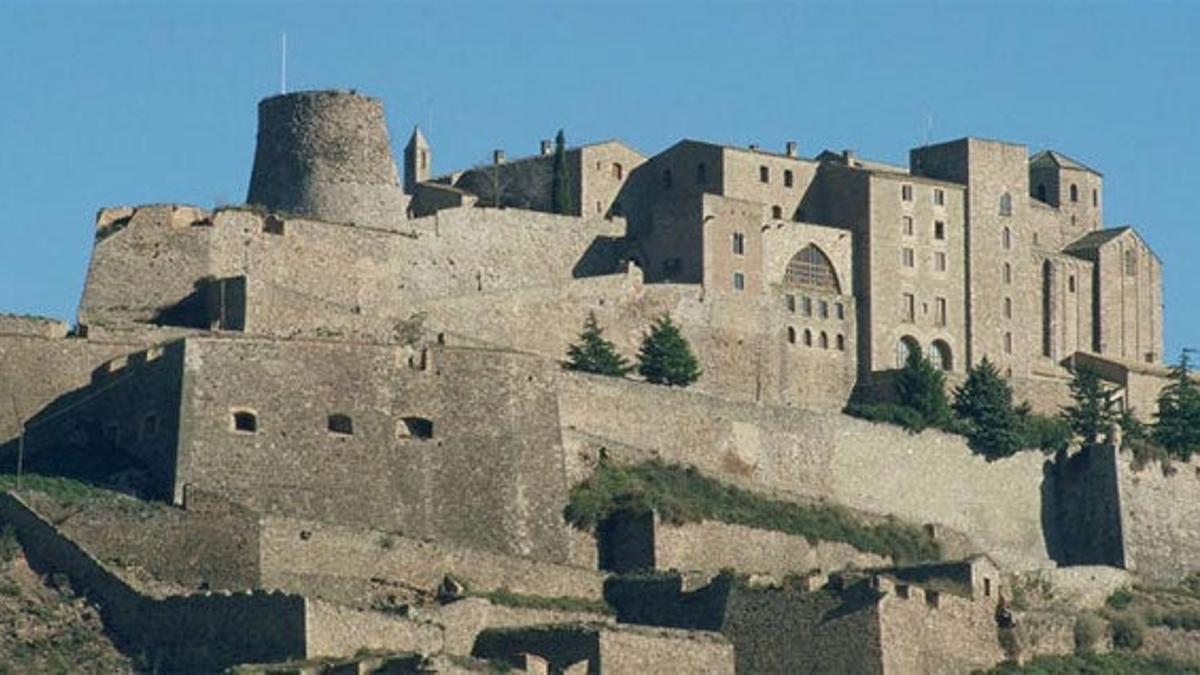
(415, 427)
(1047, 309)
(340, 424)
(245, 421)
(941, 355)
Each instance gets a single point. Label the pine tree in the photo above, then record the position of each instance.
(665, 356)
(560, 188)
(921, 386)
(985, 402)
(594, 353)
(1094, 411)
(1178, 425)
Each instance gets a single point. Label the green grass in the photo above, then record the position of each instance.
(503, 596)
(1099, 664)
(682, 495)
(65, 491)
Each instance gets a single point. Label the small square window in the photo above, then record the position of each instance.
(908, 257)
(906, 193)
(788, 178)
(939, 261)
(764, 174)
(939, 197)
(739, 281)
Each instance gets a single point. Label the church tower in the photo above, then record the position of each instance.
(418, 158)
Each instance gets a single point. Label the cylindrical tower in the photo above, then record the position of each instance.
(326, 155)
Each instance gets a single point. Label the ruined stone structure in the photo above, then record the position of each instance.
(357, 379)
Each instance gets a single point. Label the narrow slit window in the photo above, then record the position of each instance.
(340, 424)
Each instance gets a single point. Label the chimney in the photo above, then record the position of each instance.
(547, 147)
(791, 149)
(848, 157)
(754, 147)
(497, 157)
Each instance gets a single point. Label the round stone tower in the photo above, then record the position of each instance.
(326, 155)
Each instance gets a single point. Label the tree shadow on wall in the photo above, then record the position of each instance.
(1052, 532)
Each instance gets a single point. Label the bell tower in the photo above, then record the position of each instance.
(418, 160)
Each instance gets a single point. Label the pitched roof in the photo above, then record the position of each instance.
(1094, 240)
(417, 139)
(1061, 161)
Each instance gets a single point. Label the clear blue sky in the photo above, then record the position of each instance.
(128, 103)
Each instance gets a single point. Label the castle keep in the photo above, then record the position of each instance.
(362, 354)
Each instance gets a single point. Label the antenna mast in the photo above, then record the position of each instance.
(283, 66)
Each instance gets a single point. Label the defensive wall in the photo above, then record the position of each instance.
(930, 477)
(313, 557)
(644, 541)
(371, 435)
(157, 266)
(611, 650)
(1142, 519)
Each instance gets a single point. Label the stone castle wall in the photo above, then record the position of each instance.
(926, 631)
(304, 556)
(927, 478)
(1159, 508)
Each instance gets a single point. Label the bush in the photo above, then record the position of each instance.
(9, 546)
(1180, 619)
(1129, 632)
(921, 386)
(1120, 599)
(682, 495)
(889, 413)
(1090, 631)
(1115, 663)
(1048, 434)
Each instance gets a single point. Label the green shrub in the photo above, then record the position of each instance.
(666, 357)
(1114, 663)
(9, 546)
(681, 495)
(888, 413)
(1180, 619)
(1090, 631)
(1048, 434)
(503, 596)
(1129, 632)
(1120, 599)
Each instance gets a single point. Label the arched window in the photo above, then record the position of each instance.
(1007, 239)
(701, 173)
(939, 353)
(841, 342)
(777, 212)
(666, 179)
(906, 347)
(807, 337)
(1006, 204)
(1074, 193)
(1041, 192)
(340, 424)
(791, 335)
(1008, 273)
(823, 340)
(810, 268)
(246, 421)
(415, 427)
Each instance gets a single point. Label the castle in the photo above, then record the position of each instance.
(353, 353)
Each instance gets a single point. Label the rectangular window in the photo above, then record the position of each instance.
(906, 193)
(941, 312)
(908, 257)
(791, 303)
(908, 308)
(1071, 283)
(939, 230)
(739, 281)
(939, 262)
(788, 179)
(806, 306)
(739, 243)
(840, 309)
(823, 309)
(939, 196)
(1008, 343)
(764, 174)
(1008, 308)
(908, 226)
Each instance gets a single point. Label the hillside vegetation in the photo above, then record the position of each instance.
(682, 495)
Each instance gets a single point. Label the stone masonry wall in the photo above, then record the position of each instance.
(927, 478)
(301, 555)
(1159, 510)
(196, 633)
(925, 631)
